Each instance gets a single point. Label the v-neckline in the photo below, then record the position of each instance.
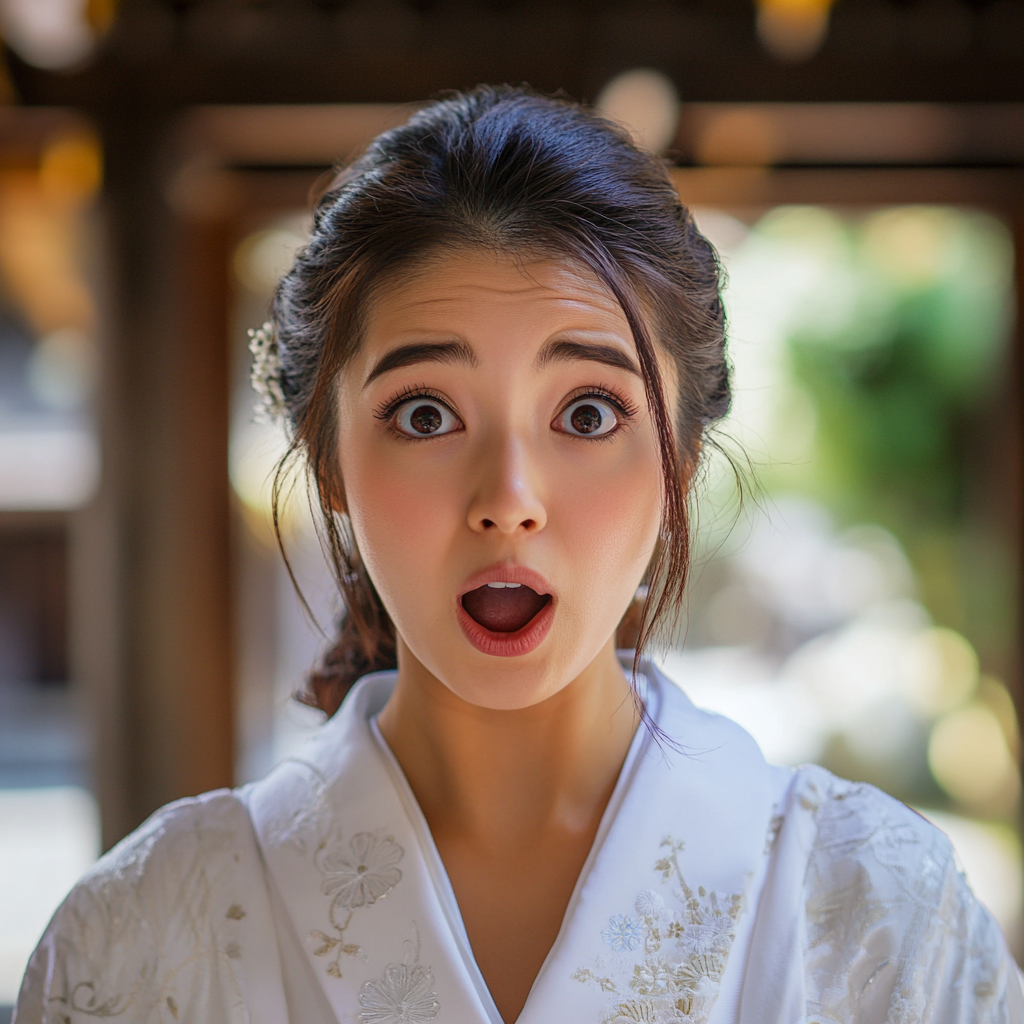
(439, 875)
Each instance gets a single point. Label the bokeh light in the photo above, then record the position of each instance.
(792, 30)
(971, 760)
(263, 257)
(645, 102)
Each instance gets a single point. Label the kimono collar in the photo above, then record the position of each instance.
(648, 931)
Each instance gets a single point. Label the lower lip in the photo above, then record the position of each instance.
(507, 645)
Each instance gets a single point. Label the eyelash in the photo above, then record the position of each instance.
(386, 410)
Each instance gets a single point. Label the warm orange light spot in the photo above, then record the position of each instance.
(100, 14)
(40, 238)
(792, 30)
(796, 7)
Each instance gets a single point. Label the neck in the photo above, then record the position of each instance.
(497, 777)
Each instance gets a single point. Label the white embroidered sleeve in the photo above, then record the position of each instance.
(157, 930)
(894, 934)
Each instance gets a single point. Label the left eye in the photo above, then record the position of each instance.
(588, 417)
(423, 417)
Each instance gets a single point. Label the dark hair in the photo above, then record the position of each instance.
(518, 174)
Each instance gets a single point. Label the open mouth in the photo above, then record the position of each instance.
(503, 607)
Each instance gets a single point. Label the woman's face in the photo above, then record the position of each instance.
(501, 471)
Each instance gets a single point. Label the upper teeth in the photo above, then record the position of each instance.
(498, 586)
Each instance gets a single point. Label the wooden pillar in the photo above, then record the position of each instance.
(151, 577)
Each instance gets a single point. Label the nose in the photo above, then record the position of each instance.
(506, 499)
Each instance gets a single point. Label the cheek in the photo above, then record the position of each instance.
(610, 516)
(402, 514)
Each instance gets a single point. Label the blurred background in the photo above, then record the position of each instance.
(858, 164)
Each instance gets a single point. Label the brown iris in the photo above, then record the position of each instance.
(426, 419)
(586, 419)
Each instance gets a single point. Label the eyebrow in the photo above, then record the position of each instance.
(565, 351)
(423, 352)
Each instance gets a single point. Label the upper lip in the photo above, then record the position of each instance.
(506, 573)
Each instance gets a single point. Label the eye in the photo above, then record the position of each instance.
(424, 417)
(588, 417)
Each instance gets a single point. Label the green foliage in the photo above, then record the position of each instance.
(900, 341)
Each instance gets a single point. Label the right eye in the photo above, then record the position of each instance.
(425, 417)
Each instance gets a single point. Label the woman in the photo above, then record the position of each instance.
(497, 355)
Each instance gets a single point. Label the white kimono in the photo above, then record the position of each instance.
(718, 890)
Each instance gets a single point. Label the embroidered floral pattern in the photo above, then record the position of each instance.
(405, 995)
(362, 874)
(649, 904)
(622, 933)
(886, 905)
(682, 951)
(354, 877)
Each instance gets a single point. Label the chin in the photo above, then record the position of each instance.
(504, 683)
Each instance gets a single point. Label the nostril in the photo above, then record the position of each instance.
(526, 524)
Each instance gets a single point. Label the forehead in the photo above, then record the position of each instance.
(469, 289)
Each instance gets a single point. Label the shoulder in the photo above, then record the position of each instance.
(857, 823)
(871, 858)
(207, 825)
(165, 903)
(888, 910)
(206, 838)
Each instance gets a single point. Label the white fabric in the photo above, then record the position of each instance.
(719, 890)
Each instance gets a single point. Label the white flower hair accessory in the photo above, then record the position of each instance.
(266, 373)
